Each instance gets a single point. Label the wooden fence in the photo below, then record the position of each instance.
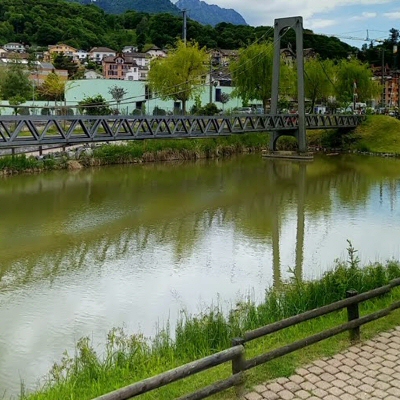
(236, 354)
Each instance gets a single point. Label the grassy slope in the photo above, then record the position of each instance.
(380, 134)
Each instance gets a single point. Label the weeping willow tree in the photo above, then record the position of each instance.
(318, 79)
(252, 74)
(353, 78)
(179, 76)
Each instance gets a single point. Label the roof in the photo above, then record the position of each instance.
(52, 46)
(14, 43)
(127, 59)
(102, 50)
(47, 65)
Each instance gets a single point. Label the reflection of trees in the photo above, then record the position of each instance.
(99, 215)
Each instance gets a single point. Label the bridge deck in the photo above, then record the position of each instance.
(16, 131)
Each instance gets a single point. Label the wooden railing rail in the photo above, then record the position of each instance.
(184, 371)
(319, 312)
(236, 354)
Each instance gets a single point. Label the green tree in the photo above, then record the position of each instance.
(52, 88)
(318, 79)
(117, 93)
(61, 61)
(252, 73)
(179, 76)
(353, 78)
(96, 105)
(15, 82)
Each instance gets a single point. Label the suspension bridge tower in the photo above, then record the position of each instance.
(280, 25)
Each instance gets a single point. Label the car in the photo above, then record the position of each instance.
(244, 110)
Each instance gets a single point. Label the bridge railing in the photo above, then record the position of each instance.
(17, 131)
(236, 354)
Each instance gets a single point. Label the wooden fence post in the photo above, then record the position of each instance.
(238, 365)
(352, 314)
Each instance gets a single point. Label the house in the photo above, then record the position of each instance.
(98, 53)
(141, 59)
(128, 67)
(36, 71)
(43, 69)
(223, 57)
(80, 56)
(156, 52)
(90, 74)
(14, 47)
(129, 49)
(61, 49)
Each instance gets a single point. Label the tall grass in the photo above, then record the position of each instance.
(18, 163)
(129, 358)
(178, 149)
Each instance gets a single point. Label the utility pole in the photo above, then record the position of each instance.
(211, 82)
(383, 78)
(184, 33)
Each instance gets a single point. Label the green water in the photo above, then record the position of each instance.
(132, 246)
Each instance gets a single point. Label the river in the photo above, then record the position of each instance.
(134, 245)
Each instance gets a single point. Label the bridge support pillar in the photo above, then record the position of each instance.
(280, 24)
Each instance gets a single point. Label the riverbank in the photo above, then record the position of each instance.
(129, 358)
(136, 152)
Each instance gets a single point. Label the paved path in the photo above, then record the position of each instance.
(369, 370)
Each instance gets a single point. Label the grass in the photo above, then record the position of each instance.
(378, 134)
(130, 358)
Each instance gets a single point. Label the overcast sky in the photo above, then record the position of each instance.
(345, 17)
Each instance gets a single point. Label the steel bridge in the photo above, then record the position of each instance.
(17, 131)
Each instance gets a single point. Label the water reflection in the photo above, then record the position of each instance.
(81, 252)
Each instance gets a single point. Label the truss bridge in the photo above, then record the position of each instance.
(17, 131)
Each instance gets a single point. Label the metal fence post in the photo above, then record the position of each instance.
(238, 365)
(353, 313)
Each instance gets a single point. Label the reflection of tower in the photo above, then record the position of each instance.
(301, 185)
(278, 174)
(275, 246)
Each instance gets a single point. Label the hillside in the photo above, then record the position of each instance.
(146, 6)
(209, 14)
(86, 26)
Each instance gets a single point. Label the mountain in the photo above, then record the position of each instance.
(147, 6)
(210, 14)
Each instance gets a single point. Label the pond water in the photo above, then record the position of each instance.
(133, 246)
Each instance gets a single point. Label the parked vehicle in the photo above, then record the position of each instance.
(244, 110)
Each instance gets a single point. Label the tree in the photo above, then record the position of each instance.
(224, 98)
(354, 78)
(394, 36)
(318, 79)
(117, 93)
(252, 73)
(15, 82)
(61, 61)
(179, 76)
(52, 88)
(96, 105)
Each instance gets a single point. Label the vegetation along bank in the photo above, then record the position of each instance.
(378, 134)
(129, 358)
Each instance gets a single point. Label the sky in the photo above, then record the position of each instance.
(348, 18)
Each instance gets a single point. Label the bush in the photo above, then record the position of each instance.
(209, 109)
(159, 111)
